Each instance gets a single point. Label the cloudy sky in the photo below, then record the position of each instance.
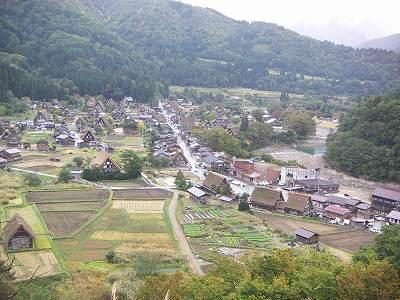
(346, 21)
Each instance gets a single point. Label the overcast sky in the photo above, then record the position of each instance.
(371, 18)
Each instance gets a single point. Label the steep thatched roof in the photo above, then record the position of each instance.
(297, 201)
(265, 197)
(14, 225)
(213, 181)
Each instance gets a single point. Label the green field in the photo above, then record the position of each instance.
(226, 227)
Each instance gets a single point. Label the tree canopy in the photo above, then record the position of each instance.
(367, 142)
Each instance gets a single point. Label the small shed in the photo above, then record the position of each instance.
(18, 235)
(307, 237)
(42, 145)
(198, 194)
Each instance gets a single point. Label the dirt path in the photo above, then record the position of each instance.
(180, 236)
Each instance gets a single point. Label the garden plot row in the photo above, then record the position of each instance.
(253, 236)
(229, 241)
(201, 214)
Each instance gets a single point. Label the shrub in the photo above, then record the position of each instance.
(32, 179)
(5, 202)
(111, 257)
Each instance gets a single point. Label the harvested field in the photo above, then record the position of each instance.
(87, 255)
(140, 206)
(68, 243)
(141, 194)
(68, 196)
(27, 262)
(69, 206)
(97, 245)
(62, 224)
(349, 241)
(126, 250)
(339, 237)
(289, 224)
(108, 235)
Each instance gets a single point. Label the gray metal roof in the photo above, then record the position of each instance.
(304, 233)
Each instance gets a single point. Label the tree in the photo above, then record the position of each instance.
(32, 179)
(301, 123)
(387, 244)
(180, 181)
(225, 189)
(132, 163)
(378, 280)
(258, 114)
(64, 175)
(6, 279)
(284, 99)
(244, 205)
(78, 161)
(244, 124)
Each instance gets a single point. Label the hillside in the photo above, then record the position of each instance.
(367, 142)
(197, 46)
(54, 48)
(391, 42)
(48, 50)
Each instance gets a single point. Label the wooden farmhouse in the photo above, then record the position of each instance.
(385, 199)
(18, 235)
(11, 154)
(42, 146)
(307, 237)
(298, 204)
(265, 198)
(65, 140)
(104, 161)
(198, 195)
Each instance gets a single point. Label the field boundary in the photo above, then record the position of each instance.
(95, 217)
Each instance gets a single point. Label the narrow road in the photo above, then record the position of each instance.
(32, 172)
(180, 236)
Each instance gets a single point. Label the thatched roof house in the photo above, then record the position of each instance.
(298, 204)
(213, 182)
(265, 198)
(104, 161)
(18, 235)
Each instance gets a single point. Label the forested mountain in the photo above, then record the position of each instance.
(391, 42)
(49, 49)
(367, 142)
(198, 46)
(52, 48)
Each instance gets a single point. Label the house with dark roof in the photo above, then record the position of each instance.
(198, 195)
(385, 199)
(265, 198)
(319, 202)
(18, 235)
(11, 154)
(214, 182)
(349, 203)
(364, 211)
(298, 204)
(315, 185)
(65, 140)
(305, 236)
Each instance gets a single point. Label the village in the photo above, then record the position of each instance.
(300, 204)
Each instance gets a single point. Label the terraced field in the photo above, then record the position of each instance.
(64, 212)
(141, 194)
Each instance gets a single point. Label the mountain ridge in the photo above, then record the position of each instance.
(390, 42)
